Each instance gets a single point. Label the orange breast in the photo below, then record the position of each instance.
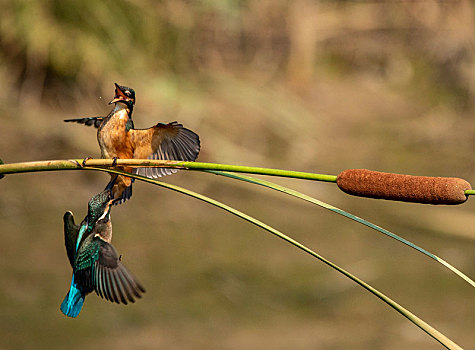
(114, 140)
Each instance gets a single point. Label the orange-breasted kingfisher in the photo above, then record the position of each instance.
(118, 139)
(96, 264)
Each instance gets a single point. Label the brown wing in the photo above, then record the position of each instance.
(167, 142)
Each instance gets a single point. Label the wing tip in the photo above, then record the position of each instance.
(126, 194)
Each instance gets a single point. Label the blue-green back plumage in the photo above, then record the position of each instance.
(98, 268)
(95, 262)
(73, 236)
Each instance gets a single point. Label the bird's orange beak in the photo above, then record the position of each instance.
(109, 206)
(107, 211)
(119, 95)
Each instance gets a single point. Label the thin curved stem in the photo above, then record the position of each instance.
(75, 164)
(441, 338)
(339, 211)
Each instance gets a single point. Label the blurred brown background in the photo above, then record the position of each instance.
(317, 86)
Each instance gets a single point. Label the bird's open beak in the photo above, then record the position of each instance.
(109, 207)
(119, 95)
(108, 211)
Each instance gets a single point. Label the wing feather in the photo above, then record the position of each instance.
(113, 294)
(120, 290)
(126, 286)
(117, 295)
(106, 284)
(71, 231)
(97, 279)
(112, 281)
(169, 141)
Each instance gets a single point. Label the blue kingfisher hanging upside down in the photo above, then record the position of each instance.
(118, 139)
(96, 264)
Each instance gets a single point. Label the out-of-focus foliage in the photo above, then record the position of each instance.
(45, 42)
(273, 60)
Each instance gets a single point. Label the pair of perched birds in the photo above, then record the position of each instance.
(96, 264)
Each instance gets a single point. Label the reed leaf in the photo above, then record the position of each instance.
(76, 164)
(441, 338)
(362, 221)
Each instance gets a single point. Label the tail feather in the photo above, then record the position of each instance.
(88, 121)
(72, 303)
(111, 183)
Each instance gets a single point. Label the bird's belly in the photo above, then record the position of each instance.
(114, 141)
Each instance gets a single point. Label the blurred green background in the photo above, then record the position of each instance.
(317, 86)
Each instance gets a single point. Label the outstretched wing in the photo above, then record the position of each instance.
(88, 121)
(71, 231)
(167, 142)
(111, 279)
(99, 269)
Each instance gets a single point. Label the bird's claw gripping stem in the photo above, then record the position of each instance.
(84, 161)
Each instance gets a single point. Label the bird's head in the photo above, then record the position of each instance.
(99, 207)
(125, 95)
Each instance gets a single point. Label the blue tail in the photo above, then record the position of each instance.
(72, 303)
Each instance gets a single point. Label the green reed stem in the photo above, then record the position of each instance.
(441, 338)
(75, 164)
(362, 221)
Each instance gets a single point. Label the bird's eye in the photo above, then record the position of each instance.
(127, 92)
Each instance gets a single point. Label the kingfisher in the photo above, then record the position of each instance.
(95, 262)
(118, 138)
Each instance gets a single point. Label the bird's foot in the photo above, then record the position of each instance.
(85, 160)
(114, 161)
